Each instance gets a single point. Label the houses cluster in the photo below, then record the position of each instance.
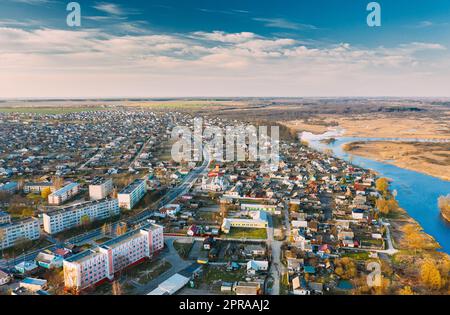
(58, 144)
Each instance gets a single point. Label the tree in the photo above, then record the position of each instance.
(121, 228)
(444, 205)
(382, 184)
(85, 220)
(430, 275)
(345, 268)
(58, 182)
(106, 229)
(406, 291)
(45, 192)
(116, 288)
(387, 205)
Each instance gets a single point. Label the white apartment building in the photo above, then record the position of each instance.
(4, 217)
(12, 232)
(131, 194)
(63, 194)
(92, 266)
(71, 216)
(100, 188)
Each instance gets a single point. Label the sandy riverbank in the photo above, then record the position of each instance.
(428, 158)
(377, 126)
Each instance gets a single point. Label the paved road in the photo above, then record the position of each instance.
(276, 265)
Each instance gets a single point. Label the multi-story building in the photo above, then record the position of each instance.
(100, 188)
(63, 194)
(37, 187)
(10, 187)
(12, 232)
(73, 216)
(95, 265)
(131, 194)
(4, 217)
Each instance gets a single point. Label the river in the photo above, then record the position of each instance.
(417, 193)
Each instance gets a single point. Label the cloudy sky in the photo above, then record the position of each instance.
(168, 48)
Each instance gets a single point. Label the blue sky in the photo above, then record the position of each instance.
(159, 48)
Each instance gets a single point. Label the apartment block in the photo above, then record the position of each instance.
(4, 217)
(95, 265)
(100, 188)
(64, 194)
(72, 216)
(131, 194)
(12, 232)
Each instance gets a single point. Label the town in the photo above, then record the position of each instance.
(92, 203)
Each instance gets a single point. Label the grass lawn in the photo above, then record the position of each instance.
(183, 249)
(213, 273)
(277, 221)
(357, 255)
(148, 270)
(247, 233)
(102, 240)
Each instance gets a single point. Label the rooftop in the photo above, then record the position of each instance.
(99, 181)
(76, 207)
(129, 189)
(65, 189)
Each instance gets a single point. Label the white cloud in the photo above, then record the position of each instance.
(283, 23)
(91, 62)
(109, 8)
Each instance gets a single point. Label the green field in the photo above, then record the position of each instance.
(247, 233)
(213, 273)
(48, 110)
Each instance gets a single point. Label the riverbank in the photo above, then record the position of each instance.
(425, 157)
(377, 126)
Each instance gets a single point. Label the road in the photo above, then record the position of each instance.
(136, 220)
(276, 266)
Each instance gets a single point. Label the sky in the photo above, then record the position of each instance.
(224, 48)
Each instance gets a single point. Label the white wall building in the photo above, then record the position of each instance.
(10, 233)
(100, 188)
(71, 216)
(258, 207)
(258, 221)
(4, 217)
(131, 194)
(92, 266)
(64, 194)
